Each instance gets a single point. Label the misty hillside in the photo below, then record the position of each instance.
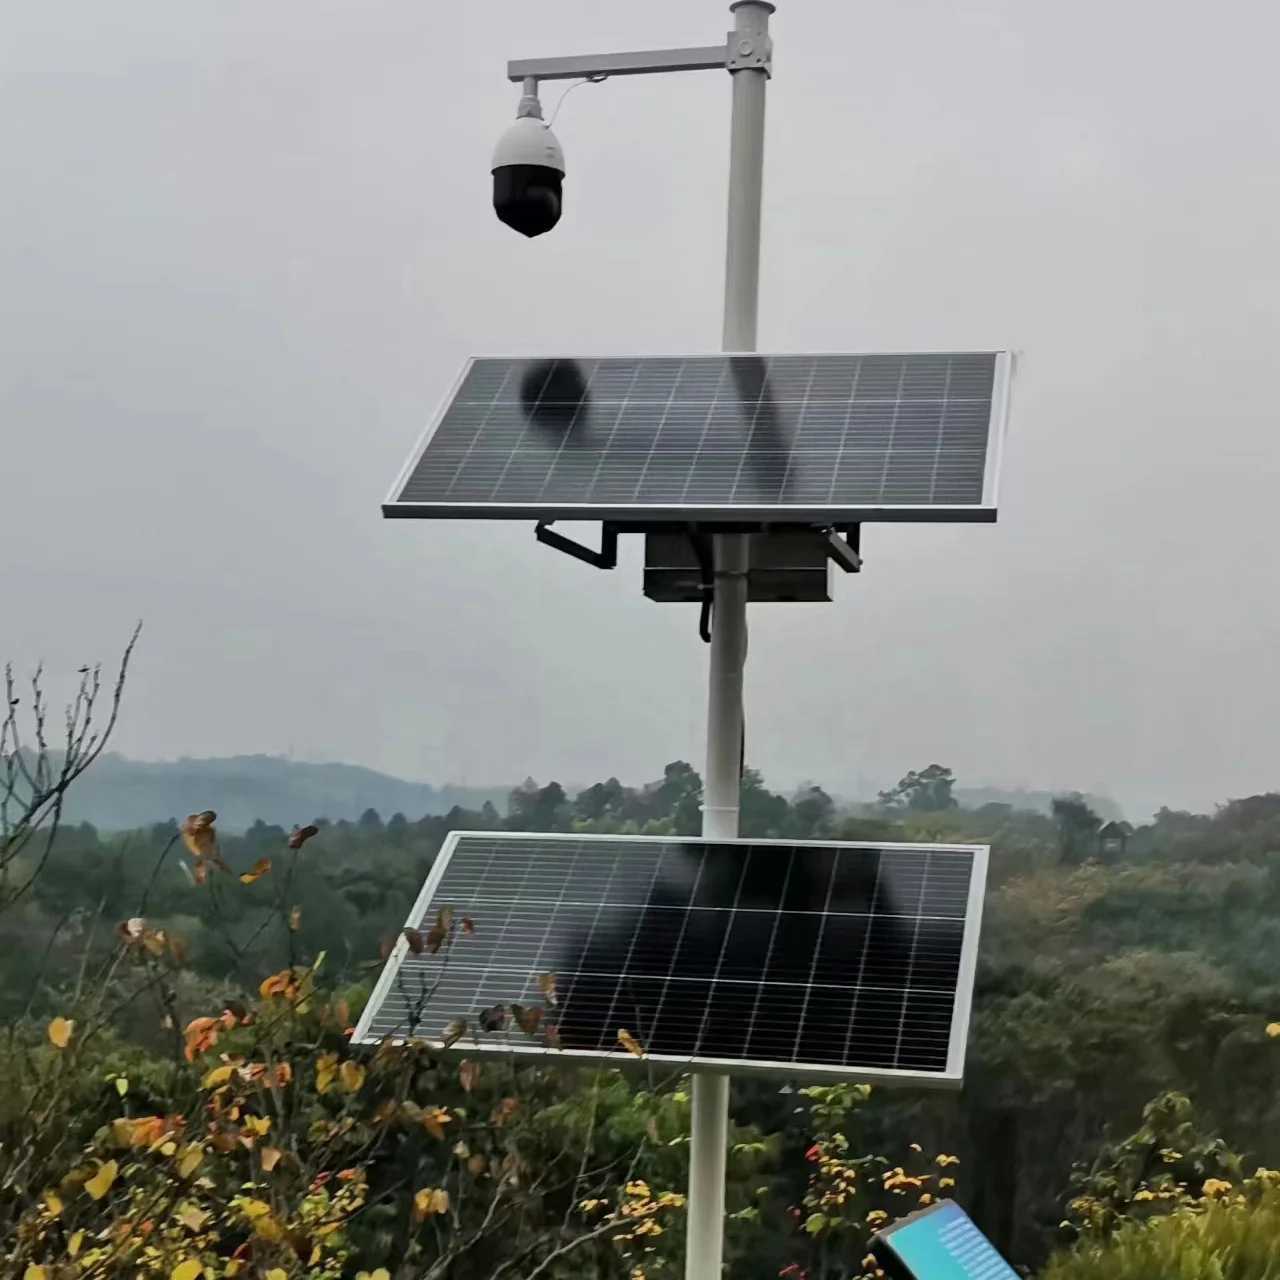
(122, 794)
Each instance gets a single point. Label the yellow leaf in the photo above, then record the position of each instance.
(122, 1085)
(270, 1157)
(1273, 1030)
(219, 1075)
(352, 1075)
(53, 1202)
(630, 1043)
(276, 1273)
(429, 1200)
(60, 1032)
(73, 1245)
(326, 1069)
(257, 871)
(190, 1159)
(381, 1274)
(100, 1183)
(34, 1272)
(192, 1217)
(188, 1269)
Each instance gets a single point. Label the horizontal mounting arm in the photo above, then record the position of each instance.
(650, 62)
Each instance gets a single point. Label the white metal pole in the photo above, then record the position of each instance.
(709, 1140)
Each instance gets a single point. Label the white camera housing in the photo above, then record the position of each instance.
(528, 174)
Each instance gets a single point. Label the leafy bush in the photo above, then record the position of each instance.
(1229, 1235)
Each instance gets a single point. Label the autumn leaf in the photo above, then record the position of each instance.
(53, 1203)
(468, 925)
(178, 949)
(75, 1243)
(130, 931)
(475, 1165)
(380, 1274)
(454, 1032)
(528, 1019)
(547, 985)
(295, 919)
(503, 1111)
(326, 1069)
(270, 1157)
(300, 835)
(198, 834)
(433, 1121)
(188, 1269)
(35, 1272)
(201, 1035)
(256, 872)
(276, 1273)
(428, 1201)
(219, 1075)
(1273, 1030)
(200, 873)
(468, 1074)
(59, 1032)
(100, 1183)
(415, 940)
(435, 938)
(552, 1035)
(493, 1019)
(630, 1043)
(352, 1075)
(189, 1160)
(192, 1217)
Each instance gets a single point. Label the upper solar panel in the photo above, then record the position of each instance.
(806, 438)
(835, 960)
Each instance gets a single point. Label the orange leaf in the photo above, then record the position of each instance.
(630, 1043)
(435, 938)
(198, 833)
(256, 872)
(547, 985)
(434, 1119)
(475, 1165)
(200, 1036)
(415, 940)
(454, 1032)
(200, 873)
(468, 925)
(59, 1032)
(300, 835)
(468, 1074)
(528, 1019)
(270, 1157)
(178, 949)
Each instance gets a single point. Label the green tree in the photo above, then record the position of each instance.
(928, 791)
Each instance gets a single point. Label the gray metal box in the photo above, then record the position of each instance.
(786, 566)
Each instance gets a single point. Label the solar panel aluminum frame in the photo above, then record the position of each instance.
(951, 1078)
(624, 514)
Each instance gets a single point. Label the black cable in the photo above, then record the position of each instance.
(708, 583)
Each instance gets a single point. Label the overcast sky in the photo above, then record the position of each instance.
(246, 245)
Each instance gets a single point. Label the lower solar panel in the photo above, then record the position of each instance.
(835, 959)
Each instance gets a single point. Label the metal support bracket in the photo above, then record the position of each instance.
(750, 53)
(605, 558)
(844, 551)
(648, 62)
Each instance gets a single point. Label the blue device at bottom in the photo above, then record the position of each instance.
(939, 1243)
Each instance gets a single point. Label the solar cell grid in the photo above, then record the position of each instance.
(847, 959)
(807, 436)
